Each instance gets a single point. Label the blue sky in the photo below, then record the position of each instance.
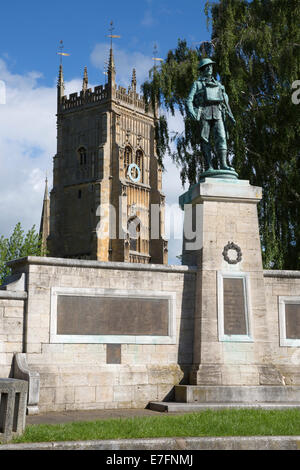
(31, 30)
(29, 39)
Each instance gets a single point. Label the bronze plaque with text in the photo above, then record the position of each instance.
(87, 315)
(234, 307)
(292, 321)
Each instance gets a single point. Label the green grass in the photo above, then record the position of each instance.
(242, 422)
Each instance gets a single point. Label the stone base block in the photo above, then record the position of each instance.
(13, 399)
(242, 374)
(174, 407)
(236, 394)
(32, 410)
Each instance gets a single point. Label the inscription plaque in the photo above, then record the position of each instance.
(235, 322)
(102, 315)
(292, 321)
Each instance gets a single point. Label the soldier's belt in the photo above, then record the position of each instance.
(211, 103)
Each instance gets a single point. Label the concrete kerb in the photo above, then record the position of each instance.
(178, 444)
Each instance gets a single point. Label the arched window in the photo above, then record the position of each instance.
(139, 162)
(134, 230)
(82, 156)
(127, 156)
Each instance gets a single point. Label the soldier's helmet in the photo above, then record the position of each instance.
(204, 62)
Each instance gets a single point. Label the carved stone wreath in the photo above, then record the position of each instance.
(232, 246)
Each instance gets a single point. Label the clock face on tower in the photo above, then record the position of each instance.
(134, 173)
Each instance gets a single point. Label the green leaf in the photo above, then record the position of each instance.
(18, 245)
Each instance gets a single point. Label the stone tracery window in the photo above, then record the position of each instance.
(134, 230)
(127, 156)
(139, 162)
(82, 152)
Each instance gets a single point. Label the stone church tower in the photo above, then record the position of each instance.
(106, 201)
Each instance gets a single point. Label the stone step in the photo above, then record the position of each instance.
(175, 407)
(256, 394)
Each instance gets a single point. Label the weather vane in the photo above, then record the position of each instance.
(157, 59)
(61, 48)
(111, 35)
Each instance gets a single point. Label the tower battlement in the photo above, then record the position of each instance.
(131, 99)
(83, 98)
(88, 97)
(101, 93)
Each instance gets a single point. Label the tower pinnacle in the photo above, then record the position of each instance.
(85, 80)
(111, 68)
(60, 81)
(60, 86)
(111, 64)
(133, 80)
(45, 219)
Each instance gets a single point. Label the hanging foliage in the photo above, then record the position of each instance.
(256, 46)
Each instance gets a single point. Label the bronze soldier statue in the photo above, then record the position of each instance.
(208, 104)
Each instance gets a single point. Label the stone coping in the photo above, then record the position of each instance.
(282, 274)
(16, 295)
(170, 443)
(78, 263)
(218, 189)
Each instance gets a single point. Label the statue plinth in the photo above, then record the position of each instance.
(220, 174)
(221, 237)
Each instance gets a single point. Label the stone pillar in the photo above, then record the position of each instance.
(231, 338)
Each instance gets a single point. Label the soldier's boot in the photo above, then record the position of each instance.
(207, 155)
(223, 160)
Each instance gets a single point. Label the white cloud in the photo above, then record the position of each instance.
(27, 144)
(148, 18)
(172, 183)
(74, 86)
(172, 188)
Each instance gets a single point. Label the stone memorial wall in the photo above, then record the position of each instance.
(113, 334)
(109, 374)
(105, 335)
